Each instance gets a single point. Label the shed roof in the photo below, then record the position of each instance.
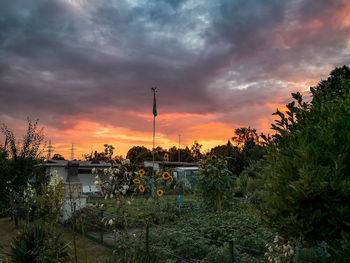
(82, 164)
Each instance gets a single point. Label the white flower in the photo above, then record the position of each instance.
(123, 192)
(96, 177)
(106, 196)
(128, 202)
(105, 171)
(111, 195)
(93, 170)
(116, 170)
(96, 183)
(125, 186)
(110, 222)
(111, 178)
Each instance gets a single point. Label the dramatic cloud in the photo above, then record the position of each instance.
(85, 68)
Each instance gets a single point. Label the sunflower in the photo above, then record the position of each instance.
(166, 157)
(213, 157)
(166, 175)
(141, 172)
(201, 165)
(226, 162)
(136, 181)
(141, 188)
(159, 192)
(171, 178)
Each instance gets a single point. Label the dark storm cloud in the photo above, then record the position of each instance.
(69, 58)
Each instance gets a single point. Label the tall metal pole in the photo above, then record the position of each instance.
(179, 148)
(154, 133)
(154, 89)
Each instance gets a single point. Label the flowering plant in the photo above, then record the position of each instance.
(50, 201)
(116, 182)
(215, 183)
(159, 182)
(280, 251)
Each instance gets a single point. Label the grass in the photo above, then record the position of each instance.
(87, 251)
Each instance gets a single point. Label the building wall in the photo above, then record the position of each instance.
(87, 179)
(61, 172)
(88, 182)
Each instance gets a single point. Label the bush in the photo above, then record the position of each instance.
(36, 243)
(307, 191)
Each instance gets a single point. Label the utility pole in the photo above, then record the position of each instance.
(179, 148)
(72, 152)
(49, 150)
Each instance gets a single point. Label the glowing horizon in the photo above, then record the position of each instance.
(85, 68)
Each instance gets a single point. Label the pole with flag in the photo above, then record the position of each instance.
(154, 90)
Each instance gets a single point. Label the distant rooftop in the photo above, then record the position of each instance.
(63, 163)
(169, 164)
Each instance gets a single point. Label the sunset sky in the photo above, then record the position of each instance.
(85, 68)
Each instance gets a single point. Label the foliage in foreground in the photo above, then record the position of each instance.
(38, 244)
(18, 164)
(205, 236)
(307, 191)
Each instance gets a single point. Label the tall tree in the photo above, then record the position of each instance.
(138, 154)
(57, 156)
(196, 151)
(245, 136)
(20, 158)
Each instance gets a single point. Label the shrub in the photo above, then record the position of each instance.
(308, 184)
(36, 243)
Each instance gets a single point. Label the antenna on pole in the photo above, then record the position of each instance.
(50, 149)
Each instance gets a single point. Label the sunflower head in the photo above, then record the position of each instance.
(166, 157)
(166, 175)
(136, 181)
(141, 188)
(141, 172)
(171, 178)
(226, 162)
(200, 165)
(213, 157)
(159, 192)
